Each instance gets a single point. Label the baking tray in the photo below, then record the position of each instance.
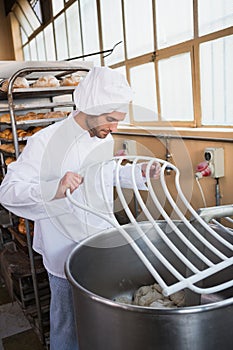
(35, 122)
(44, 92)
(28, 106)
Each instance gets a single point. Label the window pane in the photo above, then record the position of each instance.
(23, 20)
(142, 80)
(175, 81)
(49, 43)
(174, 20)
(33, 50)
(73, 28)
(57, 5)
(40, 46)
(216, 67)
(122, 70)
(214, 15)
(24, 37)
(37, 9)
(111, 12)
(26, 53)
(60, 37)
(90, 29)
(139, 28)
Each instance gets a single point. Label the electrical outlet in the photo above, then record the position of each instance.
(130, 147)
(215, 158)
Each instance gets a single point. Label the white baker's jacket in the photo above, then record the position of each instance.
(31, 183)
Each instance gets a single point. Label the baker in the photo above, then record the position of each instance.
(57, 158)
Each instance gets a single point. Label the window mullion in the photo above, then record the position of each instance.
(100, 31)
(195, 61)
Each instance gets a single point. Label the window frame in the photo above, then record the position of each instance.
(192, 46)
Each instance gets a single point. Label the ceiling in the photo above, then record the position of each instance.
(8, 5)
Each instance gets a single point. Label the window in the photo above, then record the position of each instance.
(23, 20)
(216, 59)
(49, 43)
(33, 50)
(57, 6)
(112, 30)
(73, 31)
(36, 6)
(61, 37)
(175, 81)
(90, 29)
(24, 37)
(142, 80)
(40, 46)
(214, 15)
(174, 20)
(26, 53)
(177, 54)
(138, 27)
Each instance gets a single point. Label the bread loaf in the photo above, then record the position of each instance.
(22, 227)
(27, 116)
(36, 129)
(9, 160)
(19, 82)
(56, 114)
(46, 81)
(9, 147)
(6, 134)
(5, 118)
(21, 133)
(70, 80)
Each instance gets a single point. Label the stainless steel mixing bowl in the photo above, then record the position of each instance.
(104, 267)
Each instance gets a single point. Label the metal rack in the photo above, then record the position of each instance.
(30, 291)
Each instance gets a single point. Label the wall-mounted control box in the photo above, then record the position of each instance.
(130, 147)
(215, 157)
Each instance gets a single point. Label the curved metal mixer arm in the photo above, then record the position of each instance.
(198, 248)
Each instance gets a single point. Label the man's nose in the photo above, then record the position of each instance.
(113, 127)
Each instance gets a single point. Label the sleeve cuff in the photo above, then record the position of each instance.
(48, 189)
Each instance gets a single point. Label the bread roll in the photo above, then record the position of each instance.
(46, 81)
(22, 227)
(5, 118)
(71, 80)
(9, 160)
(40, 115)
(29, 133)
(19, 82)
(27, 116)
(36, 129)
(21, 133)
(6, 134)
(56, 114)
(9, 147)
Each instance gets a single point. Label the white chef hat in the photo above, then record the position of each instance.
(103, 90)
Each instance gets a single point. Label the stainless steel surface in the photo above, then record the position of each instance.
(216, 212)
(105, 267)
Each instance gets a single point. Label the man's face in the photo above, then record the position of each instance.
(101, 126)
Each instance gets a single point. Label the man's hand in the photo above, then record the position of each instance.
(120, 153)
(154, 170)
(70, 180)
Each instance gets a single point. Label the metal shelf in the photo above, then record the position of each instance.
(16, 100)
(32, 122)
(43, 91)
